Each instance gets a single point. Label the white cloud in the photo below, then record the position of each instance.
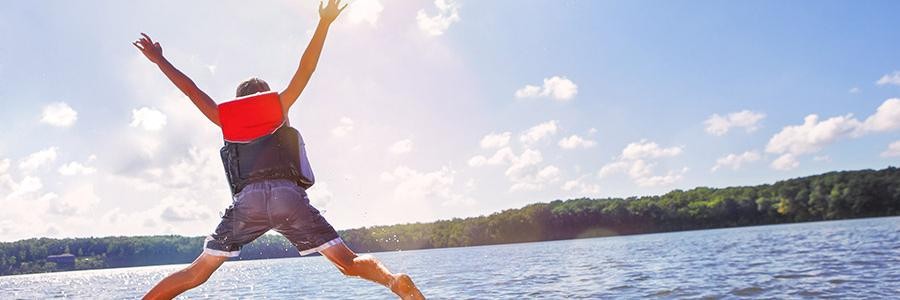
(886, 117)
(719, 125)
(523, 171)
(854, 90)
(59, 114)
(661, 180)
(78, 200)
(148, 118)
(4, 165)
(495, 140)
(613, 167)
(365, 11)
(785, 162)
(646, 149)
(29, 184)
(575, 141)
(893, 78)
(76, 168)
(735, 161)
(320, 196)
(419, 187)
(175, 209)
(448, 13)
(812, 135)
(581, 187)
(893, 150)
(539, 132)
(633, 162)
(344, 128)
(521, 163)
(559, 88)
(38, 159)
(535, 181)
(401, 146)
(821, 158)
(503, 155)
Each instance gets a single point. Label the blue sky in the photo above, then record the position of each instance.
(421, 110)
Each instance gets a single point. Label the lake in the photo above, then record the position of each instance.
(840, 259)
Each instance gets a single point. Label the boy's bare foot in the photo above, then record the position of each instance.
(404, 287)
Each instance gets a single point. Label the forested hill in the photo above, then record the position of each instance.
(829, 196)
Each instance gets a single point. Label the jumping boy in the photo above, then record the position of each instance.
(268, 173)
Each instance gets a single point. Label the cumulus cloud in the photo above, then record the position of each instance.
(719, 125)
(635, 161)
(27, 185)
(365, 11)
(148, 118)
(522, 171)
(320, 196)
(38, 159)
(413, 186)
(75, 168)
(813, 135)
(893, 79)
(886, 117)
(646, 149)
(181, 210)
(495, 140)
(575, 141)
(559, 88)
(854, 90)
(448, 13)
(581, 187)
(344, 127)
(59, 114)
(77, 200)
(534, 181)
(539, 132)
(735, 161)
(785, 162)
(893, 150)
(401, 147)
(502, 156)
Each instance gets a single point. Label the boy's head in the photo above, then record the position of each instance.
(252, 86)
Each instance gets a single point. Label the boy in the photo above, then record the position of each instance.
(271, 192)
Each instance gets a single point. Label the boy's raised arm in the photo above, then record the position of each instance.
(311, 56)
(153, 52)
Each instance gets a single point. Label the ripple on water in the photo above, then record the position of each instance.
(747, 291)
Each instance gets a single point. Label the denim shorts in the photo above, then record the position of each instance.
(278, 205)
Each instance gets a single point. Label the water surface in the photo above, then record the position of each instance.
(840, 259)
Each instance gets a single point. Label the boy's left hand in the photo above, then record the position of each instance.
(331, 11)
(153, 51)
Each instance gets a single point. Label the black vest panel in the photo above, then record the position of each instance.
(274, 156)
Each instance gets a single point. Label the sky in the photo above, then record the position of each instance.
(427, 110)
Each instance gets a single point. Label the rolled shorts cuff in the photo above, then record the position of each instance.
(321, 247)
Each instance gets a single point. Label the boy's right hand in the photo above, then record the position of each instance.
(153, 51)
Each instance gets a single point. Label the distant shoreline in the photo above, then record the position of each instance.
(826, 197)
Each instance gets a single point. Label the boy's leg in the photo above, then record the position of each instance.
(367, 267)
(191, 276)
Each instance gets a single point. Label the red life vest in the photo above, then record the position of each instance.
(247, 118)
(259, 145)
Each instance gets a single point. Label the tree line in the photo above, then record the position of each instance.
(829, 196)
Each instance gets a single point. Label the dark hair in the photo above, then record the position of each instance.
(252, 86)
